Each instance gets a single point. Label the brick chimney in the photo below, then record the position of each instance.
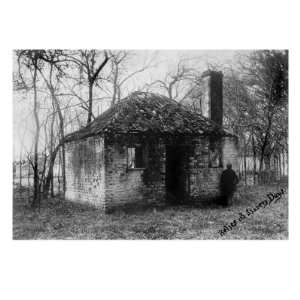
(211, 102)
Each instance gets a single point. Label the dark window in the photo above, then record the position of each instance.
(135, 158)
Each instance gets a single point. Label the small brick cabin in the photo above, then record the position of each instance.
(150, 150)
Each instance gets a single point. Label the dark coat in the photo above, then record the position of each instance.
(228, 182)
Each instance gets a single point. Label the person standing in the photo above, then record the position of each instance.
(228, 184)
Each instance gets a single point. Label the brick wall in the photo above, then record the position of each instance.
(97, 172)
(140, 187)
(85, 180)
(204, 180)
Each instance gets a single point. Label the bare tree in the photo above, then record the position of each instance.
(255, 98)
(54, 60)
(30, 60)
(178, 84)
(89, 69)
(120, 74)
(267, 73)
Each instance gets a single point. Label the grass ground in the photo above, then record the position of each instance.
(64, 220)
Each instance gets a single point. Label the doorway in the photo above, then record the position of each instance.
(175, 174)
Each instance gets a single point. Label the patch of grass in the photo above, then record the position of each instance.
(58, 219)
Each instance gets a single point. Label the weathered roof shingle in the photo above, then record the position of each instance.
(149, 113)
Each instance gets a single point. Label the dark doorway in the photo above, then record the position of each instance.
(175, 174)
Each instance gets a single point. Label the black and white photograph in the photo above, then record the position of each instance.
(149, 150)
(150, 144)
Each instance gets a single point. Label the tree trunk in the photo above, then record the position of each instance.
(20, 179)
(64, 169)
(280, 164)
(267, 161)
(283, 163)
(90, 107)
(51, 187)
(62, 135)
(28, 179)
(276, 161)
(28, 175)
(254, 160)
(51, 149)
(49, 177)
(266, 142)
(115, 83)
(59, 168)
(261, 162)
(245, 168)
(36, 143)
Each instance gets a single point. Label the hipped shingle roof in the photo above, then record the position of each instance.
(149, 113)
